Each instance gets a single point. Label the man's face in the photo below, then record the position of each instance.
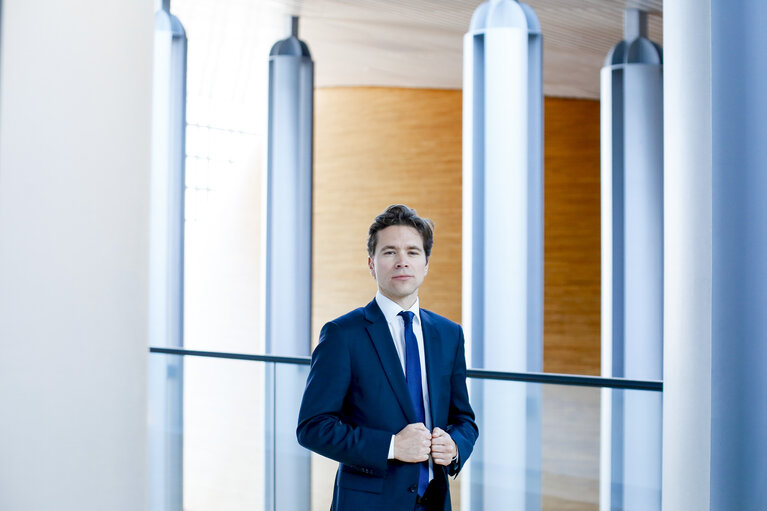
(399, 264)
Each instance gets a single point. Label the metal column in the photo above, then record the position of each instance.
(288, 261)
(714, 421)
(166, 270)
(503, 247)
(632, 266)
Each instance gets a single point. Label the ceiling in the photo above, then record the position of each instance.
(393, 43)
(418, 43)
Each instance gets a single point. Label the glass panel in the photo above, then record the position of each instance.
(222, 460)
(547, 447)
(555, 447)
(570, 448)
(223, 434)
(631, 449)
(165, 432)
(289, 474)
(323, 478)
(227, 441)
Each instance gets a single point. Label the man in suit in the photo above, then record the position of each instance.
(386, 394)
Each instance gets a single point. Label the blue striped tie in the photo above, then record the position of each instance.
(413, 376)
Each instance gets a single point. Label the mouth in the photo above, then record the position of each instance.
(402, 277)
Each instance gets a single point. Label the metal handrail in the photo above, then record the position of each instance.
(304, 361)
(549, 378)
(568, 379)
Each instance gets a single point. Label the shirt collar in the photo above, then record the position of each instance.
(391, 309)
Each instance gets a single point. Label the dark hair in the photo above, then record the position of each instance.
(399, 214)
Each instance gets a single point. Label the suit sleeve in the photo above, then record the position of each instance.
(321, 425)
(461, 426)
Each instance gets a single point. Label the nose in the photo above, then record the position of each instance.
(401, 262)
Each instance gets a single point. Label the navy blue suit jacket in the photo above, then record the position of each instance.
(356, 398)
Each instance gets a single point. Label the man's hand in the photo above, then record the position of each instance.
(443, 449)
(413, 443)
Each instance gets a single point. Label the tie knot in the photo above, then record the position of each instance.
(407, 317)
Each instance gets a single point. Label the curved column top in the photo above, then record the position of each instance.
(635, 48)
(504, 14)
(291, 46)
(164, 20)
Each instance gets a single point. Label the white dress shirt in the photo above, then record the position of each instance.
(396, 324)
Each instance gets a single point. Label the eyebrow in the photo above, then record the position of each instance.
(411, 247)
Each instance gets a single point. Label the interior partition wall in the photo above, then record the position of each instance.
(75, 156)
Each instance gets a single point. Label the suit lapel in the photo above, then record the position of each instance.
(379, 333)
(433, 360)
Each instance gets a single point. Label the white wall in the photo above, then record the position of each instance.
(75, 106)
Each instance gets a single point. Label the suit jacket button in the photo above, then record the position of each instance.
(413, 488)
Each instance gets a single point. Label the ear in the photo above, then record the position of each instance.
(426, 268)
(371, 267)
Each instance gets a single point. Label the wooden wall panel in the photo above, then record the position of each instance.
(375, 147)
(379, 146)
(572, 237)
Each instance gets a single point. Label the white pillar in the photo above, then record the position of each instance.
(715, 424)
(75, 124)
(739, 255)
(632, 267)
(288, 262)
(687, 257)
(503, 248)
(166, 267)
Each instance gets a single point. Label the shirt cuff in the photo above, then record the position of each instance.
(391, 448)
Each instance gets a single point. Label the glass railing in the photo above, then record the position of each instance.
(223, 438)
